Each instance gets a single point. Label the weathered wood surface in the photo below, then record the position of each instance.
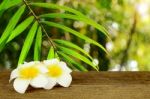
(91, 85)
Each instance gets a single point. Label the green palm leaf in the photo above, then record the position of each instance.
(51, 53)
(11, 25)
(7, 4)
(20, 28)
(77, 55)
(37, 47)
(72, 62)
(79, 14)
(55, 6)
(28, 42)
(72, 45)
(76, 17)
(74, 33)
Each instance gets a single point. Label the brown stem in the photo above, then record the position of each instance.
(37, 19)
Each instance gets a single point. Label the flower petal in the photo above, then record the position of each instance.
(65, 67)
(14, 74)
(20, 85)
(52, 61)
(51, 83)
(39, 82)
(28, 64)
(65, 80)
(42, 68)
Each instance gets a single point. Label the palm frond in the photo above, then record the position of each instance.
(76, 33)
(60, 49)
(76, 17)
(78, 14)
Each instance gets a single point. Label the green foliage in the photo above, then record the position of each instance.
(72, 62)
(76, 17)
(87, 39)
(71, 45)
(11, 25)
(27, 43)
(20, 28)
(51, 53)
(7, 4)
(61, 49)
(76, 55)
(105, 3)
(38, 43)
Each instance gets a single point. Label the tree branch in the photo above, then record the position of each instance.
(125, 52)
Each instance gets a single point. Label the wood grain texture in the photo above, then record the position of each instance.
(89, 85)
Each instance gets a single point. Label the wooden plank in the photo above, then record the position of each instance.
(90, 85)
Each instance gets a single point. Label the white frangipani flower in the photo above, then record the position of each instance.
(26, 74)
(58, 73)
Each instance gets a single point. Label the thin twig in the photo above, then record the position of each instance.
(38, 20)
(125, 52)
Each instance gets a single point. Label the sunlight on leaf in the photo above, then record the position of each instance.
(75, 17)
(27, 43)
(7, 4)
(72, 45)
(20, 28)
(51, 53)
(71, 61)
(37, 47)
(11, 25)
(77, 55)
(87, 39)
(55, 6)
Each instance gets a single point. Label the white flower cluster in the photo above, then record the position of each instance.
(44, 74)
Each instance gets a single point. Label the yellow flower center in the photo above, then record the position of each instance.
(54, 70)
(28, 72)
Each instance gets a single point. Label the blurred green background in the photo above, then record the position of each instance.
(128, 24)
